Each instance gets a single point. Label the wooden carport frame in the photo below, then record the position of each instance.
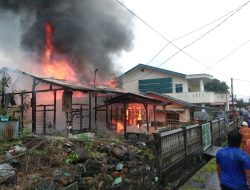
(128, 98)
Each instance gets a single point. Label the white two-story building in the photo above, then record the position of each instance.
(190, 88)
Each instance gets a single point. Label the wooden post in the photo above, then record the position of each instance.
(22, 111)
(154, 110)
(95, 112)
(54, 119)
(34, 106)
(107, 114)
(90, 110)
(80, 118)
(116, 117)
(44, 119)
(146, 108)
(165, 114)
(111, 115)
(125, 119)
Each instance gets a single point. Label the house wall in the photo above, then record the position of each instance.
(182, 110)
(130, 80)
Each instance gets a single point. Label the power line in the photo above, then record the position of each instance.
(157, 32)
(227, 55)
(181, 50)
(242, 80)
(191, 32)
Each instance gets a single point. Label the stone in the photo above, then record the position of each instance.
(80, 168)
(73, 186)
(133, 171)
(46, 185)
(14, 163)
(94, 166)
(7, 173)
(88, 182)
(119, 166)
(120, 152)
(104, 180)
(132, 164)
(83, 155)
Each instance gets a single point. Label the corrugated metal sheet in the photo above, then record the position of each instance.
(71, 84)
(9, 130)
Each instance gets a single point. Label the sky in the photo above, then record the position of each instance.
(222, 48)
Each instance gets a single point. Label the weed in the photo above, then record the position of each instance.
(72, 158)
(25, 133)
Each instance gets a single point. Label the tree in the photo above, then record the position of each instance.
(216, 86)
(240, 103)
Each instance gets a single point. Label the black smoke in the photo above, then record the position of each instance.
(88, 32)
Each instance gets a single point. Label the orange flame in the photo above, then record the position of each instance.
(119, 127)
(55, 67)
(111, 83)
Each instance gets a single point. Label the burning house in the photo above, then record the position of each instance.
(68, 50)
(58, 105)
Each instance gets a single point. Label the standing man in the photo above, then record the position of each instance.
(245, 132)
(233, 164)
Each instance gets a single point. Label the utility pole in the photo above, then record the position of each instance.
(232, 95)
(95, 75)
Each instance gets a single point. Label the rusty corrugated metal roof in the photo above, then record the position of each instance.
(73, 85)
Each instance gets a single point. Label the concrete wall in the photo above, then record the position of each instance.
(130, 80)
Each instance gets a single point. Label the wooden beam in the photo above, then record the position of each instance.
(44, 120)
(125, 119)
(90, 109)
(81, 118)
(95, 113)
(34, 106)
(111, 115)
(146, 108)
(22, 111)
(107, 114)
(165, 114)
(154, 109)
(54, 119)
(116, 115)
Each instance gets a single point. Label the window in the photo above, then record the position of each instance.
(172, 117)
(158, 85)
(178, 88)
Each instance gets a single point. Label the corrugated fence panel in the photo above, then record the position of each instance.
(9, 130)
(215, 129)
(172, 147)
(193, 138)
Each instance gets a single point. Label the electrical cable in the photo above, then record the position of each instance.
(157, 32)
(191, 32)
(227, 55)
(194, 41)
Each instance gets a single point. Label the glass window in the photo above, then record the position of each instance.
(178, 88)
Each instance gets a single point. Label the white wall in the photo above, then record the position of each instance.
(130, 80)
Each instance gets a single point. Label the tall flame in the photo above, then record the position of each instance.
(53, 66)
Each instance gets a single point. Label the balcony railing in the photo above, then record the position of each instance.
(201, 97)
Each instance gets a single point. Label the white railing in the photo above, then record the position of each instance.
(201, 97)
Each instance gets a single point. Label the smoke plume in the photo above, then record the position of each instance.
(88, 32)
